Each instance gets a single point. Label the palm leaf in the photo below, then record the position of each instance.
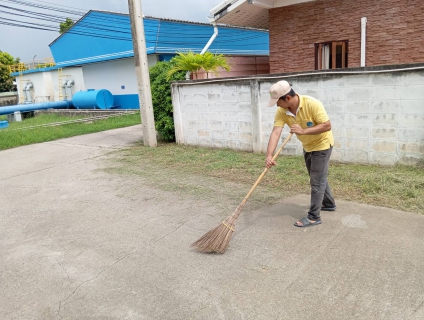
(193, 62)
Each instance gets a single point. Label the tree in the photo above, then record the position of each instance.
(64, 26)
(6, 81)
(194, 62)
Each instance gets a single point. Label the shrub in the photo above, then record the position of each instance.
(162, 99)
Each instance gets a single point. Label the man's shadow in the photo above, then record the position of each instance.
(276, 215)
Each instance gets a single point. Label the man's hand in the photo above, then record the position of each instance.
(296, 128)
(269, 162)
(317, 129)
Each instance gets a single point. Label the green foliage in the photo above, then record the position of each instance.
(6, 59)
(188, 62)
(6, 81)
(212, 62)
(160, 85)
(64, 26)
(194, 62)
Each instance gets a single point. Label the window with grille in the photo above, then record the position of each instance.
(331, 55)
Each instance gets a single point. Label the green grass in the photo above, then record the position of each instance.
(10, 138)
(176, 167)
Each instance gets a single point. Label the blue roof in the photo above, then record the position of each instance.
(102, 36)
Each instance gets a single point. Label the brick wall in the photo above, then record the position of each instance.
(240, 66)
(395, 32)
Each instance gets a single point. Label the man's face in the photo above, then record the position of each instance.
(283, 103)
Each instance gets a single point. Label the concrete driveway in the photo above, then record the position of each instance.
(78, 243)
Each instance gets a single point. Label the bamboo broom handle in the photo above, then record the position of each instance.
(266, 169)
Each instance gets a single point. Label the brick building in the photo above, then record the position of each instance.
(327, 34)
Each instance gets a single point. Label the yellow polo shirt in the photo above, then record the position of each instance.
(310, 113)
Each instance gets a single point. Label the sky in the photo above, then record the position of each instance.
(29, 44)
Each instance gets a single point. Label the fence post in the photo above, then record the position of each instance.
(256, 116)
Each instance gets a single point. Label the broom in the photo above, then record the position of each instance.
(217, 239)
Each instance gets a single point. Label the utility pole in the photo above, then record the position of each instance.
(142, 72)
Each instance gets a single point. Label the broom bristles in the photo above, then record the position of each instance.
(218, 239)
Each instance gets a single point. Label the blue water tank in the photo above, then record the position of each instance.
(93, 99)
(4, 124)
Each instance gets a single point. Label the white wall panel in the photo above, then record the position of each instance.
(46, 84)
(74, 73)
(117, 76)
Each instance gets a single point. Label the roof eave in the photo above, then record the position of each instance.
(249, 13)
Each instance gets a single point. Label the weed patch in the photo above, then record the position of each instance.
(175, 167)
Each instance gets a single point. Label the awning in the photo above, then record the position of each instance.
(248, 13)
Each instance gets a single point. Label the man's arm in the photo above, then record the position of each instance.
(272, 144)
(319, 128)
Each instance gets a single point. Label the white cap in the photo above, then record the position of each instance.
(278, 90)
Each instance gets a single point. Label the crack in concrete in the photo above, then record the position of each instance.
(197, 311)
(418, 308)
(24, 174)
(81, 145)
(74, 145)
(173, 230)
(48, 168)
(84, 282)
(67, 274)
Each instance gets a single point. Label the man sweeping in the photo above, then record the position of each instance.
(308, 119)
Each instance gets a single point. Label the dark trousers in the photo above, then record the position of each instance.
(317, 163)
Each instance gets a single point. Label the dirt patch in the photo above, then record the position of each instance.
(223, 194)
(222, 176)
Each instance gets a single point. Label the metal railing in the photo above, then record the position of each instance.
(32, 65)
(89, 119)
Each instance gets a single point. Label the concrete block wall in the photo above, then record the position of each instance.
(215, 116)
(8, 98)
(377, 115)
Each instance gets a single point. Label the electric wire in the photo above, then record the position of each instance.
(185, 43)
(152, 32)
(91, 29)
(163, 34)
(60, 5)
(41, 16)
(56, 8)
